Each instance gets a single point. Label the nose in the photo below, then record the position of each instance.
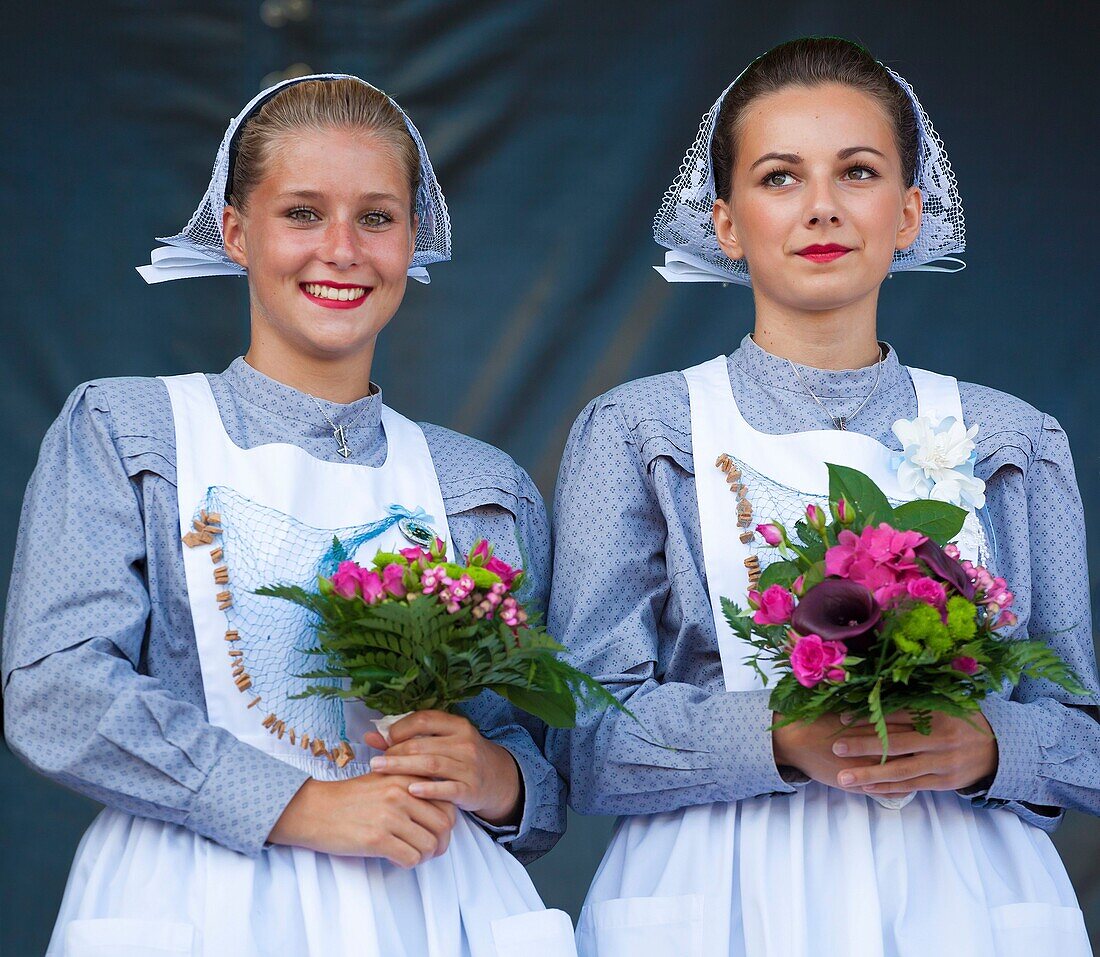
(340, 246)
(822, 205)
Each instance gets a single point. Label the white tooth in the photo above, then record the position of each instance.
(344, 294)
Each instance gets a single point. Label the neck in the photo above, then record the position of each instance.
(343, 379)
(842, 338)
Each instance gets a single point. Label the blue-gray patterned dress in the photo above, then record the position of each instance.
(102, 688)
(630, 597)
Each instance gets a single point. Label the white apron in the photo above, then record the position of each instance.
(252, 517)
(821, 872)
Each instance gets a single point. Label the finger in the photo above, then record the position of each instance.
(426, 723)
(432, 815)
(372, 739)
(398, 852)
(869, 745)
(926, 782)
(900, 769)
(894, 718)
(421, 765)
(424, 839)
(453, 792)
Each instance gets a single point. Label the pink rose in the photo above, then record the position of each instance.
(1006, 620)
(775, 606)
(815, 516)
(371, 584)
(813, 659)
(927, 590)
(502, 570)
(889, 595)
(413, 555)
(346, 580)
(393, 580)
(481, 550)
(771, 533)
(968, 666)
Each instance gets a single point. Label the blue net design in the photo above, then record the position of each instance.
(774, 502)
(262, 546)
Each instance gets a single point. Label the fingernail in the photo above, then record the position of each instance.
(847, 718)
(840, 748)
(377, 764)
(846, 778)
(416, 789)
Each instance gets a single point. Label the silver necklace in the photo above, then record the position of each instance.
(339, 432)
(840, 422)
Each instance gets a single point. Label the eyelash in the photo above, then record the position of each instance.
(786, 172)
(293, 214)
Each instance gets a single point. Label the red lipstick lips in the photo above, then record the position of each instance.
(360, 294)
(824, 254)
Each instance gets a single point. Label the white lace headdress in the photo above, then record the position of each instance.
(198, 249)
(684, 225)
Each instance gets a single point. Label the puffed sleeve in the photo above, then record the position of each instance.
(76, 706)
(1048, 741)
(611, 584)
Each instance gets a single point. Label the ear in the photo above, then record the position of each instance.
(725, 230)
(909, 224)
(233, 236)
(412, 238)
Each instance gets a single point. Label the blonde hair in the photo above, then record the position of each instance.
(318, 105)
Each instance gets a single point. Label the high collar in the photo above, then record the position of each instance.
(288, 403)
(750, 360)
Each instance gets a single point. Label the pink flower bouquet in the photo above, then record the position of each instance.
(415, 631)
(874, 612)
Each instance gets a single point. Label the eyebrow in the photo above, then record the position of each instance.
(315, 195)
(794, 159)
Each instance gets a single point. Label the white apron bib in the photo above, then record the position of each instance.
(253, 517)
(818, 873)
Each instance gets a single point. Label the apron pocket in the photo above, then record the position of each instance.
(119, 937)
(1030, 930)
(631, 926)
(539, 933)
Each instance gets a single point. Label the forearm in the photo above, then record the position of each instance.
(85, 719)
(1048, 755)
(687, 747)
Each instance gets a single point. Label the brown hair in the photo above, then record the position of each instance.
(342, 103)
(812, 61)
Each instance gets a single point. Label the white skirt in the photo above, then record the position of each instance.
(143, 887)
(824, 873)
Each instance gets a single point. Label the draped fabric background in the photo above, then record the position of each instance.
(555, 128)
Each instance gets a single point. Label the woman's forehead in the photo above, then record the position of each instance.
(827, 116)
(349, 160)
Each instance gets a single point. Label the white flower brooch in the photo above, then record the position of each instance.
(937, 461)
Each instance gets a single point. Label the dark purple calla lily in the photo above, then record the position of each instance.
(839, 610)
(944, 567)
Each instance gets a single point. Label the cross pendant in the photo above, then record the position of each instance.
(341, 441)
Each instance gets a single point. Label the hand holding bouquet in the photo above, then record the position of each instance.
(415, 631)
(871, 612)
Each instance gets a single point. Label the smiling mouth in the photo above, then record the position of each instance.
(335, 295)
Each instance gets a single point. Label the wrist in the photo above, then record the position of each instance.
(505, 809)
(297, 824)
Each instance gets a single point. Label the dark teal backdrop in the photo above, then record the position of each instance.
(555, 127)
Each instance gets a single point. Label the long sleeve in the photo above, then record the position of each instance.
(628, 607)
(1048, 741)
(521, 541)
(76, 706)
